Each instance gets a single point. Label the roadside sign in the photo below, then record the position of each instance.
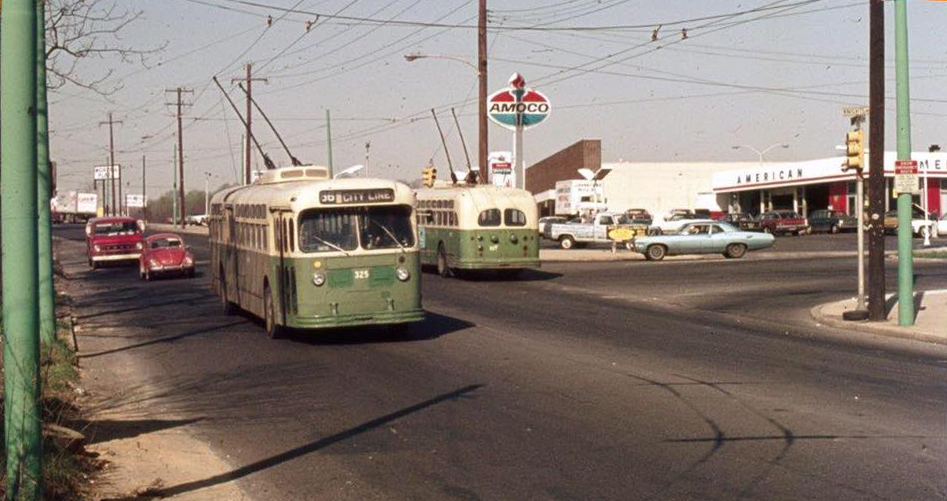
(855, 111)
(101, 173)
(906, 179)
(621, 234)
(531, 106)
(135, 201)
(501, 168)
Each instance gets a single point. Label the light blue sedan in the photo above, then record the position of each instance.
(704, 237)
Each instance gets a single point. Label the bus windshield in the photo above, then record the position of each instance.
(382, 227)
(387, 227)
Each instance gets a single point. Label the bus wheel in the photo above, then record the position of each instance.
(225, 303)
(442, 268)
(273, 330)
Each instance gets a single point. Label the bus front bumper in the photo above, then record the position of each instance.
(509, 264)
(355, 319)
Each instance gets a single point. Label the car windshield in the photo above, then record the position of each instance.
(384, 227)
(165, 243)
(116, 228)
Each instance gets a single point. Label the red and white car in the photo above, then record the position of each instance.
(165, 254)
(111, 239)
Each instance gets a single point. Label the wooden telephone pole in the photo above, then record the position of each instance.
(180, 170)
(111, 167)
(247, 153)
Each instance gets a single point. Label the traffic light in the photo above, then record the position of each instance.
(854, 151)
(428, 177)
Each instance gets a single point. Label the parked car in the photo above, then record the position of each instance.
(675, 220)
(742, 220)
(113, 239)
(919, 224)
(703, 237)
(165, 254)
(942, 225)
(545, 224)
(196, 220)
(639, 216)
(832, 221)
(576, 233)
(784, 221)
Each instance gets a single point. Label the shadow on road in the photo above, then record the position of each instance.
(433, 326)
(105, 430)
(166, 339)
(302, 450)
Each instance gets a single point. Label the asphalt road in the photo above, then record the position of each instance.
(633, 380)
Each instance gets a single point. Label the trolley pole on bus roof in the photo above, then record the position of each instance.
(905, 198)
(18, 202)
(329, 141)
(44, 181)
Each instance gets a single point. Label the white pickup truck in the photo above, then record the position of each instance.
(576, 233)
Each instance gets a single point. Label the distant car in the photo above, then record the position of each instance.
(673, 222)
(545, 224)
(639, 216)
(785, 222)
(703, 237)
(942, 225)
(165, 254)
(742, 220)
(831, 221)
(196, 220)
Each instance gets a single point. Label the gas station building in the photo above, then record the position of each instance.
(720, 187)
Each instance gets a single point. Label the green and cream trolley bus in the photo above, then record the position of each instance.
(301, 250)
(478, 227)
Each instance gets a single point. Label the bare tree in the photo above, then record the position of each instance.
(79, 29)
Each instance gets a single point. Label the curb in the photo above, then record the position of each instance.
(869, 327)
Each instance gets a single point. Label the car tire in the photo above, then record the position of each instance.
(442, 268)
(656, 252)
(735, 251)
(273, 329)
(566, 242)
(834, 229)
(148, 276)
(228, 307)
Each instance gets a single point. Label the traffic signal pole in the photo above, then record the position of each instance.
(18, 202)
(905, 230)
(44, 181)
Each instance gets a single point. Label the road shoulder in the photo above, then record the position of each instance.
(930, 323)
(146, 447)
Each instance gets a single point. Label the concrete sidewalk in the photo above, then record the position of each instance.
(930, 324)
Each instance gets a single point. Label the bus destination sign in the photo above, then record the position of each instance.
(371, 196)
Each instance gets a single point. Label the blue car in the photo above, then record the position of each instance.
(704, 237)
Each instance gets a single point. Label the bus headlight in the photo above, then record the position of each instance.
(513, 239)
(495, 239)
(318, 279)
(403, 274)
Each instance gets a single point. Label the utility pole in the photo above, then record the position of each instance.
(329, 140)
(482, 77)
(44, 180)
(876, 174)
(18, 201)
(111, 161)
(180, 164)
(905, 231)
(247, 152)
(174, 180)
(368, 146)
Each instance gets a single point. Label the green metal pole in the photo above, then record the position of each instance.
(905, 248)
(329, 140)
(18, 194)
(47, 291)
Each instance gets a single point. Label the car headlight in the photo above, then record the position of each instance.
(403, 274)
(138, 246)
(154, 264)
(318, 279)
(97, 248)
(188, 261)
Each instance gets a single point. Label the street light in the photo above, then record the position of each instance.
(482, 98)
(761, 153)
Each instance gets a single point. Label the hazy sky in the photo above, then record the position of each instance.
(743, 76)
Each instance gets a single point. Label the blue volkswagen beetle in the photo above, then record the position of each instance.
(703, 237)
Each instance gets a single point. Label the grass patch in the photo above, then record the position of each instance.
(66, 465)
(931, 255)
